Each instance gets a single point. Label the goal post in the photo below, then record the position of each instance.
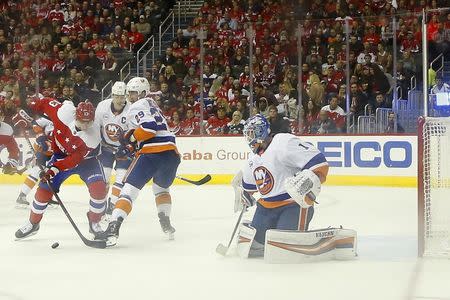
(434, 187)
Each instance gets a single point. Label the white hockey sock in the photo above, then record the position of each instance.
(117, 212)
(165, 208)
(115, 192)
(28, 185)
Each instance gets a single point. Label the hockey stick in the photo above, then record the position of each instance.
(18, 171)
(221, 248)
(196, 182)
(87, 242)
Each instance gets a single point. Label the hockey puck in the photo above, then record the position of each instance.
(55, 245)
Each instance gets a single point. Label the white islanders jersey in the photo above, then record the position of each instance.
(145, 116)
(113, 126)
(285, 156)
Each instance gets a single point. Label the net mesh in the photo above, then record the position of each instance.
(436, 177)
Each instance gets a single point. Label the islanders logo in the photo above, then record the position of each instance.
(113, 131)
(264, 180)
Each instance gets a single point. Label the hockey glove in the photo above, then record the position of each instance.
(21, 120)
(128, 138)
(48, 173)
(304, 187)
(10, 167)
(43, 145)
(127, 146)
(247, 199)
(125, 151)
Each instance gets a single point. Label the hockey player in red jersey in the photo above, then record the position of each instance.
(7, 140)
(75, 142)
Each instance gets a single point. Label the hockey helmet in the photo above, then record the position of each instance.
(256, 130)
(139, 85)
(85, 114)
(119, 88)
(118, 92)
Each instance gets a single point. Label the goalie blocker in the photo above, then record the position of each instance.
(290, 246)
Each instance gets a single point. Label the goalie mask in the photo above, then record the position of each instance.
(256, 130)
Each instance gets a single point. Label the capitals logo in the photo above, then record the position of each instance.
(113, 131)
(264, 180)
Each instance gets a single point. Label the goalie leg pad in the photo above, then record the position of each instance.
(245, 238)
(317, 245)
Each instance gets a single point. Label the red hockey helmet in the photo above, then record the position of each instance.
(85, 112)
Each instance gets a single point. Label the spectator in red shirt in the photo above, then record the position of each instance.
(190, 125)
(336, 113)
(136, 38)
(216, 124)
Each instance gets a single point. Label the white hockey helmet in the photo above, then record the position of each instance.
(119, 88)
(139, 85)
(118, 93)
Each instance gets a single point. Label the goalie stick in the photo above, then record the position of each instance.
(221, 248)
(90, 243)
(202, 181)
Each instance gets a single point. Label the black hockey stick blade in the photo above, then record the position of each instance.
(202, 181)
(99, 244)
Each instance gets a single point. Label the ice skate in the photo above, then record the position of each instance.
(95, 229)
(110, 207)
(111, 234)
(27, 230)
(21, 201)
(166, 226)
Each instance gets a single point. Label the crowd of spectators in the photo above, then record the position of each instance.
(80, 45)
(226, 73)
(69, 49)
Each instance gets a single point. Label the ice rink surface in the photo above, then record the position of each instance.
(145, 265)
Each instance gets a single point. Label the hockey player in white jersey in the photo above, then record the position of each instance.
(288, 173)
(43, 128)
(156, 158)
(111, 114)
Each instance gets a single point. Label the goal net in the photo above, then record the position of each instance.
(434, 187)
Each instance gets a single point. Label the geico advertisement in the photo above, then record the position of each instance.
(347, 155)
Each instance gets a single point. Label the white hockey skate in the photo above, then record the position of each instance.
(27, 230)
(21, 201)
(166, 227)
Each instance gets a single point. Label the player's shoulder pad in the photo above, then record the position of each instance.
(141, 103)
(6, 129)
(91, 137)
(104, 103)
(281, 140)
(66, 113)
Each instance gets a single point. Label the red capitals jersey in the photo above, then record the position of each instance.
(216, 126)
(190, 126)
(7, 140)
(67, 140)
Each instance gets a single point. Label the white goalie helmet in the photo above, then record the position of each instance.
(139, 85)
